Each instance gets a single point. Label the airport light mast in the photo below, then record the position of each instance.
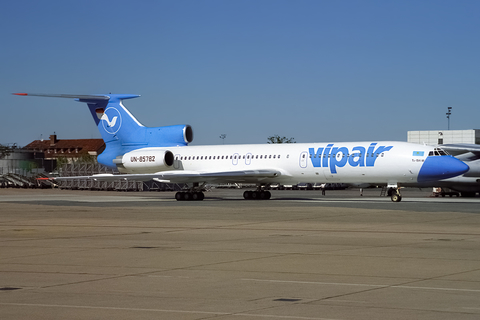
(449, 112)
(223, 136)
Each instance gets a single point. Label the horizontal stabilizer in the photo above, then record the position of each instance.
(71, 96)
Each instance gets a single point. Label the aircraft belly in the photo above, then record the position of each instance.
(330, 176)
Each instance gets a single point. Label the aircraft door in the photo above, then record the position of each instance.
(303, 159)
(177, 164)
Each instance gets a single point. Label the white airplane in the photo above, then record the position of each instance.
(162, 154)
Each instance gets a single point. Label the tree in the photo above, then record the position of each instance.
(5, 151)
(277, 139)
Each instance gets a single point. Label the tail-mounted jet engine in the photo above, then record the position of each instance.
(146, 160)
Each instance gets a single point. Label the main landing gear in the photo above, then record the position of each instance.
(257, 195)
(189, 196)
(394, 194)
(194, 194)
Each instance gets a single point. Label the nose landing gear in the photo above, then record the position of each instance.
(394, 194)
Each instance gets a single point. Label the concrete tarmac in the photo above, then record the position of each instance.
(113, 255)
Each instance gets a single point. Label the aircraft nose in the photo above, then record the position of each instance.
(441, 167)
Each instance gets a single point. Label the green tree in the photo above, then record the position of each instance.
(277, 139)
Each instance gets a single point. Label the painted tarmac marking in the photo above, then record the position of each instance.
(365, 285)
(163, 310)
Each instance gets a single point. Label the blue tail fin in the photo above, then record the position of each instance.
(114, 122)
(119, 128)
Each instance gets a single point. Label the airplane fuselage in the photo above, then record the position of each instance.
(340, 162)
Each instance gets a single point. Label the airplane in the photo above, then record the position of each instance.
(162, 153)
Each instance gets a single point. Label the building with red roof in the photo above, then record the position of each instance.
(66, 150)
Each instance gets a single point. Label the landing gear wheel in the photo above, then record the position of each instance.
(197, 196)
(189, 196)
(257, 195)
(179, 196)
(396, 197)
(265, 195)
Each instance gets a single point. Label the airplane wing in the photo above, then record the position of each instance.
(463, 151)
(461, 147)
(181, 176)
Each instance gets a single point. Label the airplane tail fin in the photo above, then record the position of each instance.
(108, 113)
(120, 130)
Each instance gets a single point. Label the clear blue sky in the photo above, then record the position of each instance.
(313, 70)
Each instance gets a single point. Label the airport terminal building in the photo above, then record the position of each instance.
(435, 137)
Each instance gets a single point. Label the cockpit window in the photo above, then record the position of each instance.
(438, 152)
